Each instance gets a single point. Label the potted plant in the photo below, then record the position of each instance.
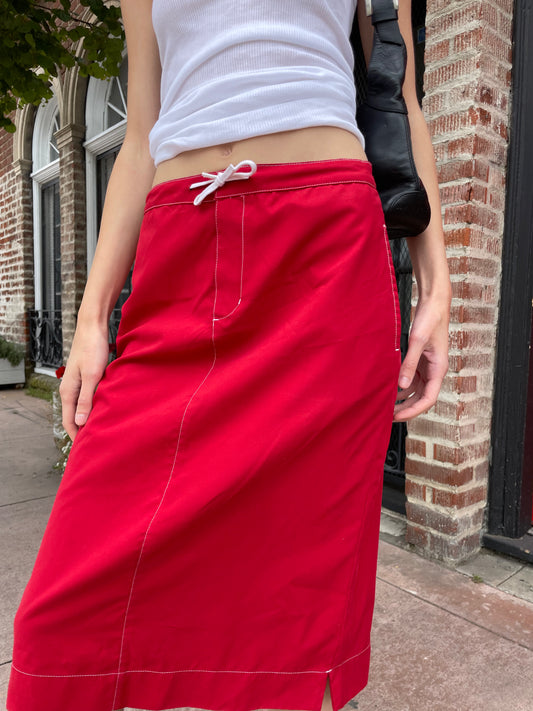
(11, 362)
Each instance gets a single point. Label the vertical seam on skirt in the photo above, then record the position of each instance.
(391, 275)
(170, 475)
(220, 318)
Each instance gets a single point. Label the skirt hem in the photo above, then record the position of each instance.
(202, 689)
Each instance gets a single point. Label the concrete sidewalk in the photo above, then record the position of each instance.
(440, 640)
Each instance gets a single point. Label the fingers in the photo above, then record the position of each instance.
(85, 399)
(426, 361)
(85, 366)
(423, 391)
(411, 360)
(76, 400)
(69, 388)
(424, 397)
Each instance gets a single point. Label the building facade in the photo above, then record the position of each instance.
(462, 474)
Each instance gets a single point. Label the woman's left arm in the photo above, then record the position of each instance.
(426, 361)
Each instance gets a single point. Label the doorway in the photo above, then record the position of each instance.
(511, 471)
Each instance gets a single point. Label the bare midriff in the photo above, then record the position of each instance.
(303, 144)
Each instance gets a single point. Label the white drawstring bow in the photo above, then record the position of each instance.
(215, 180)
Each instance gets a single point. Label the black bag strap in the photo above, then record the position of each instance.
(381, 10)
(386, 69)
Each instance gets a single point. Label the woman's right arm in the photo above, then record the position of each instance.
(426, 362)
(129, 183)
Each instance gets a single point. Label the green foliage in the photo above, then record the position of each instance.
(35, 392)
(13, 352)
(40, 37)
(65, 447)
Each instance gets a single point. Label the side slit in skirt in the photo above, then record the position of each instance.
(213, 542)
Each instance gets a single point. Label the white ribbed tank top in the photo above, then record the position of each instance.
(233, 69)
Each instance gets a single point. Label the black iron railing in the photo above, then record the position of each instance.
(395, 461)
(46, 339)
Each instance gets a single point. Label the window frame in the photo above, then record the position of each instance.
(44, 172)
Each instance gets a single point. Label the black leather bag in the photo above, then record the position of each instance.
(383, 121)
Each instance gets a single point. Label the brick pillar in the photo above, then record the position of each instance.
(73, 227)
(16, 243)
(467, 83)
(24, 214)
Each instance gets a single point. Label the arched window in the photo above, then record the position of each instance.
(116, 110)
(45, 320)
(105, 115)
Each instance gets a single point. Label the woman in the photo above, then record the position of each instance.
(213, 541)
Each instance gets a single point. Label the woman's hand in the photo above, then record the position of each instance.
(85, 366)
(426, 361)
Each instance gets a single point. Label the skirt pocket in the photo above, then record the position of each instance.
(394, 291)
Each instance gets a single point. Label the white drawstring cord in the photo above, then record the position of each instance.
(215, 180)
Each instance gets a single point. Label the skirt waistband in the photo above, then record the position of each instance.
(268, 177)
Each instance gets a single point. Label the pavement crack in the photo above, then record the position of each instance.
(511, 575)
(25, 501)
(457, 615)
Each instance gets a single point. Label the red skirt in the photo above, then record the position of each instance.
(213, 542)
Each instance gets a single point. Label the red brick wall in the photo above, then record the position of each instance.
(467, 83)
(9, 269)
